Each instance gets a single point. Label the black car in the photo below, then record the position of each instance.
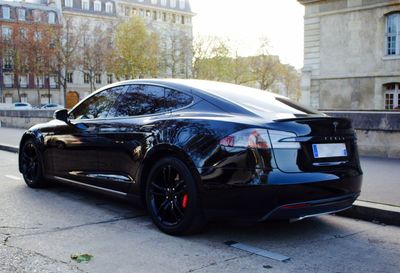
(196, 150)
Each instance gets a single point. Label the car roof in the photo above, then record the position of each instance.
(234, 98)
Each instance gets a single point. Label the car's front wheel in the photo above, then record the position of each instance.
(31, 165)
(173, 198)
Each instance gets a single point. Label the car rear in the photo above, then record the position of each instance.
(290, 161)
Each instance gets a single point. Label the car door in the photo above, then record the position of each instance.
(129, 131)
(74, 145)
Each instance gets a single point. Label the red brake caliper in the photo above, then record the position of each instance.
(185, 200)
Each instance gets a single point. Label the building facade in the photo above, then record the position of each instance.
(170, 19)
(351, 54)
(20, 24)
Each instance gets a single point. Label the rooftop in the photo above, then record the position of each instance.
(178, 5)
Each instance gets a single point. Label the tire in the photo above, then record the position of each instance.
(31, 165)
(173, 198)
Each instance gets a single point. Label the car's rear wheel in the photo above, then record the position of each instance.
(173, 198)
(31, 165)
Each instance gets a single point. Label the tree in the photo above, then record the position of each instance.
(42, 54)
(136, 51)
(265, 67)
(211, 59)
(19, 52)
(94, 51)
(291, 80)
(175, 53)
(66, 44)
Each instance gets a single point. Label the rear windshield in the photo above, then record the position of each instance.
(256, 100)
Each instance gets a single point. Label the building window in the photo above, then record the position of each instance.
(85, 4)
(154, 15)
(21, 14)
(154, 2)
(37, 15)
(7, 61)
(393, 34)
(53, 81)
(109, 78)
(109, 7)
(174, 18)
(6, 33)
(392, 96)
(8, 80)
(148, 13)
(70, 77)
(97, 6)
(39, 81)
(68, 3)
(163, 2)
(141, 13)
(172, 3)
(164, 16)
(6, 12)
(97, 78)
(37, 36)
(182, 20)
(182, 4)
(86, 78)
(52, 18)
(23, 81)
(23, 33)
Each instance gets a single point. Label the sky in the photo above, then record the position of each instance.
(245, 22)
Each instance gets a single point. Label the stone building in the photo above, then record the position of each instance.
(351, 54)
(19, 19)
(171, 19)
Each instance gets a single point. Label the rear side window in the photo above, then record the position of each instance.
(97, 106)
(175, 99)
(148, 99)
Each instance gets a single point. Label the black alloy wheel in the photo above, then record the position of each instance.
(31, 165)
(173, 198)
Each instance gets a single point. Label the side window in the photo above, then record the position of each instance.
(97, 106)
(175, 99)
(141, 100)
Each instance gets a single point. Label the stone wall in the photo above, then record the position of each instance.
(378, 133)
(345, 62)
(24, 118)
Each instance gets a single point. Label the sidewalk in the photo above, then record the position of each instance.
(9, 138)
(381, 181)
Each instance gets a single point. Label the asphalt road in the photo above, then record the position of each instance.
(40, 229)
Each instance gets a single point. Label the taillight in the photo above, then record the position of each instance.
(261, 139)
(248, 138)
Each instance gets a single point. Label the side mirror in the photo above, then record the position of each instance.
(61, 114)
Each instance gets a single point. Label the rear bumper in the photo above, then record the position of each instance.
(248, 198)
(311, 208)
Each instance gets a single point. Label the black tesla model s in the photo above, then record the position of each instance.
(195, 150)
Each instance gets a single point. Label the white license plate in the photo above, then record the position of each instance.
(329, 150)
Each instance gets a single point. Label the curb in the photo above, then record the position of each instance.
(364, 210)
(9, 148)
(373, 212)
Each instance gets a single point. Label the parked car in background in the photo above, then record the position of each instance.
(21, 106)
(51, 106)
(194, 150)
